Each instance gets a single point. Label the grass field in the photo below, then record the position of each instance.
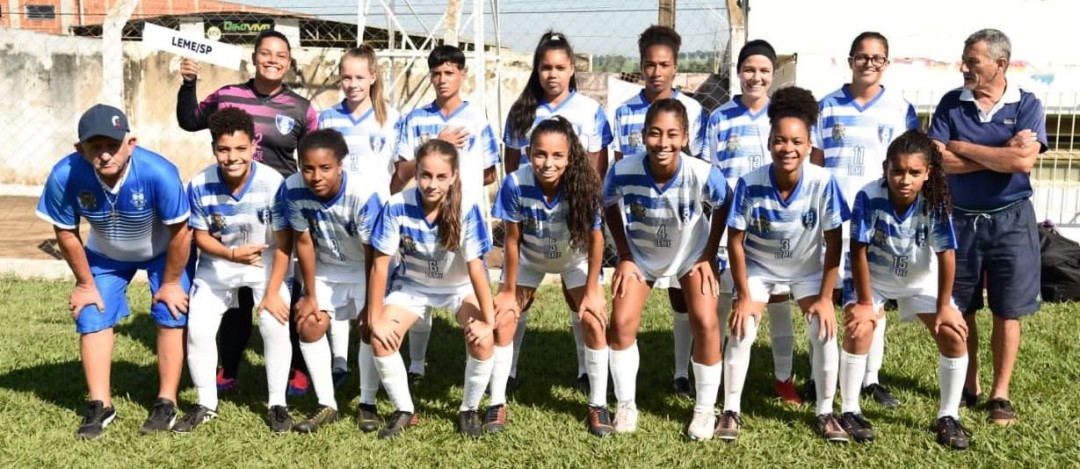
(42, 396)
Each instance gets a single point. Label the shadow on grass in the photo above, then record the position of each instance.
(62, 384)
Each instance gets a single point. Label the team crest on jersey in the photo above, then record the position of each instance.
(264, 216)
(885, 133)
(284, 124)
(138, 200)
(684, 213)
(838, 131)
(87, 200)
(921, 235)
(378, 142)
(530, 223)
(879, 236)
(761, 223)
(352, 228)
(408, 244)
(217, 223)
(809, 219)
(635, 139)
(424, 137)
(733, 143)
(637, 210)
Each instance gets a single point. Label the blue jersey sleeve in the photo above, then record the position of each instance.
(741, 204)
(862, 226)
(510, 142)
(942, 235)
(476, 240)
(55, 206)
(369, 213)
(912, 118)
(603, 128)
(835, 209)
(199, 218)
(279, 215)
(297, 221)
(170, 200)
(612, 193)
(386, 233)
(940, 128)
(407, 143)
(490, 146)
(508, 202)
(697, 142)
(716, 188)
(1032, 117)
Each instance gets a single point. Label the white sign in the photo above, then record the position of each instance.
(192, 46)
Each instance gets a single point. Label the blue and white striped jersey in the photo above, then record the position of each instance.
(340, 227)
(630, 121)
(855, 138)
(784, 239)
(586, 114)
(665, 226)
(481, 150)
(901, 248)
(129, 222)
(545, 236)
(371, 146)
(250, 216)
(425, 266)
(737, 140)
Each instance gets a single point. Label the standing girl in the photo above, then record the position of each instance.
(332, 214)
(902, 248)
(369, 126)
(441, 242)
(552, 91)
(781, 216)
(666, 198)
(854, 128)
(551, 213)
(737, 141)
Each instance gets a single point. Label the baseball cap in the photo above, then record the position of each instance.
(104, 120)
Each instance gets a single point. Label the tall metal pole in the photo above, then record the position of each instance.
(667, 13)
(453, 17)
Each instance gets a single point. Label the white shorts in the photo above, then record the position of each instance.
(344, 299)
(573, 276)
(761, 288)
(911, 302)
(420, 304)
(209, 299)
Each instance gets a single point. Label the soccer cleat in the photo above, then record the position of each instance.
(951, 434)
(787, 393)
(599, 421)
(367, 418)
(322, 415)
(582, 384)
(809, 392)
(1001, 412)
(418, 378)
(856, 425)
(728, 425)
(495, 419)
(969, 399)
(626, 417)
(162, 417)
(701, 426)
(279, 419)
(830, 428)
(469, 423)
(193, 418)
(298, 384)
(96, 418)
(226, 384)
(682, 387)
(398, 422)
(339, 377)
(882, 395)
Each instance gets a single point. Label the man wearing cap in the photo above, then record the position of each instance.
(990, 133)
(134, 202)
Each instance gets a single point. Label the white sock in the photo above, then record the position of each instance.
(500, 371)
(519, 338)
(579, 342)
(825, 363)
(684, 340)
(369, 374)
(419, 335)
(736, 364)
(477, 376)
(707, 383)
(596, 366)
(339, 344)
(951, 375)
(876, 355)
(723, 309)
(396, 381)
(624, 367)
(202, 356)
(782, 334)
(317, 357)
(852, 368)
(277, 352)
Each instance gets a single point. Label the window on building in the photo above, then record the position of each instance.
(40, 12)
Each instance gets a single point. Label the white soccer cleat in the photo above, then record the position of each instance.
(701, 426)
(626, 418)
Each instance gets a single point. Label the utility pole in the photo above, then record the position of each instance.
(667, 13)
(453, 17)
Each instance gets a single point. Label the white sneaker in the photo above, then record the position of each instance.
(626, 418)
(701, 426)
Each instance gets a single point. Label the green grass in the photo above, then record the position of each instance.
(42, 395)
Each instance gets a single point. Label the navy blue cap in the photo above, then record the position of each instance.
(103, 120)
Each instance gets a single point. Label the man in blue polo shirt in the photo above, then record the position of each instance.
(134, 201)
(990, 133)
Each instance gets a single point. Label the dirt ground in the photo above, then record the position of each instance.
(22, 233)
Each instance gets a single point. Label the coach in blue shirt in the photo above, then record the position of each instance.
(134, 202)
(990, 133)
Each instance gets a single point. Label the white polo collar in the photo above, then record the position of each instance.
(1011, 95)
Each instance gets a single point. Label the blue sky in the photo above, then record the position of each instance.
(597, 27)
